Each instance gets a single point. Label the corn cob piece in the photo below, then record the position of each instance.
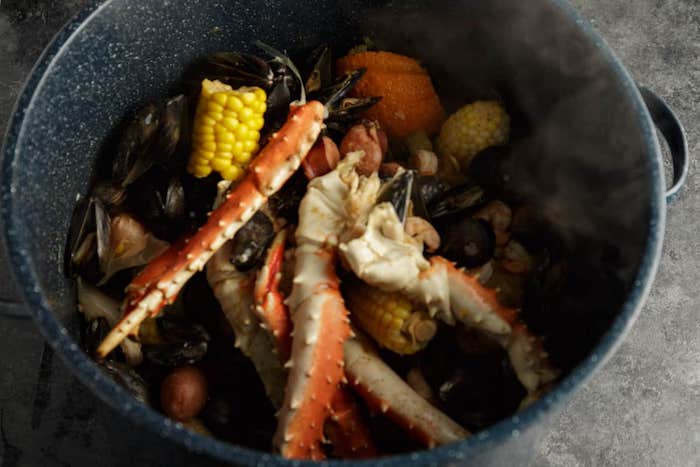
(389, 318)
(472, 129)
(226, 129)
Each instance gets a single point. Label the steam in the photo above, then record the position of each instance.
(576, 150)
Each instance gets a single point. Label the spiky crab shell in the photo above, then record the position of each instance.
(279, 159)
(234, 291)
(316, 366)
(269, 302)
(383, 389)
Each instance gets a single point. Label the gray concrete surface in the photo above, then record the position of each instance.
(642, 409)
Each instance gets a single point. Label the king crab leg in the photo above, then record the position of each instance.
(234, 291)
(269, 302)
(383, 389)
(159, 284)
(321, 323)
(316, 366)
(345, 427)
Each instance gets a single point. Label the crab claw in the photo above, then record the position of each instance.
(160, 282)
(269, 302)
(384, 256)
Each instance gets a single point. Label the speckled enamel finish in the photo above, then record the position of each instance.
(119, 53)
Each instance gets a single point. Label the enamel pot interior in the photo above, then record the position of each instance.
(586, 160)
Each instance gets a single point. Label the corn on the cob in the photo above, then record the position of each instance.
(471, 129)
(389, 318)
(226, 129)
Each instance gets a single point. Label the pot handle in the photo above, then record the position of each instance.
(674, 134)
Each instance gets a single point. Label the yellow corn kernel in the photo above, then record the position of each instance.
(208, 146)
(472, 129)
(245, 114)
(248, 98)
(226, 130)
(207, 137)
(389, 318)
(220, 98)
(235, 103)
(242, 157)
(241, 132)
(230, 123)
(231, 173)
(227, 138)
(256, 123)
(214, 107)
(220, 164)
(249, 145)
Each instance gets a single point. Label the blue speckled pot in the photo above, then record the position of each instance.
(596, 171)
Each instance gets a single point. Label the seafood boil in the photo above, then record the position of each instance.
(313, 257)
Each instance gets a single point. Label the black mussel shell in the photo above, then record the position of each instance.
(176, 330)
(350, 109)
(233, 68)
(174, 126)
(175, 206)
(148, 203)
(133, 156)
(457, 201)
(426, 190)
(397, 191)
(128, 378)
(173, 355)
(199, 199)
(320, 73)
(82, 224)
(278, 100)
(250, 243)
(469, 242)
(160, 202)
(347, 113)
(103, 230)
(110, 194)
(184, 343)
(285, 203)
(333, 94)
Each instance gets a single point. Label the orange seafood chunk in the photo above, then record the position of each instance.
(409, 101)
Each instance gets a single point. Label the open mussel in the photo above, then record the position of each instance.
(456, 201)
(233, 68)
(426, 191)
(397, 191)
(129, 245)
(321, 72)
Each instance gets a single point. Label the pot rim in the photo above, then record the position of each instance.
(117, 398)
